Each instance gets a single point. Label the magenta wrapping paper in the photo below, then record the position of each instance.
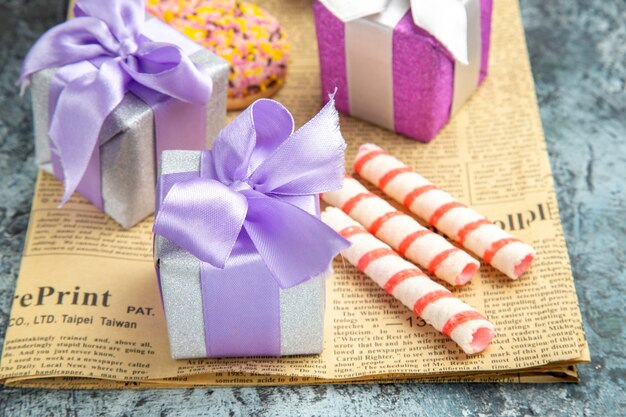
(423, 71)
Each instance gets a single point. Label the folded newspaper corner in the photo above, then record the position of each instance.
(87, 310)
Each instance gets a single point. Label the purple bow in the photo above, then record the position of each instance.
(256, 191)
(107, 34)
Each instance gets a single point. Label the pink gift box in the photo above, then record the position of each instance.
(421, 76)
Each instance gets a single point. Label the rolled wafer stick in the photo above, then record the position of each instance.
(462, 224)
(399, 230)
(407, 283)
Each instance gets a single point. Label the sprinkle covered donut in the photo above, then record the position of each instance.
(248, 37)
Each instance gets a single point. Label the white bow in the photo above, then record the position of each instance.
(446, 20)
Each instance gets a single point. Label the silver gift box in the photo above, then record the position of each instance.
(127, 155)
(301, 307)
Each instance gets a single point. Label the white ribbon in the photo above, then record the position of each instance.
(348, 10)
(369, 26)
(446, 20)
(467, 74)
(369, 64)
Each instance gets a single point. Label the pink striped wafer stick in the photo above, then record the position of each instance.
(412, 240)
(407, 283)
(464, 225)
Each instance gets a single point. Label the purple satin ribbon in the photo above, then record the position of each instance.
(107, 35)
(251, 217)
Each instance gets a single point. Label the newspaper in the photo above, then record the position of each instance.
(87, 311)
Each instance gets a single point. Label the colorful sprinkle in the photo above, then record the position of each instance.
(248, 37)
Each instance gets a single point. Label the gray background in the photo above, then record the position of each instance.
(578, 54)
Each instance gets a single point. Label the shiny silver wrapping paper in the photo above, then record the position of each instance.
(127, 155)
(301, 307)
